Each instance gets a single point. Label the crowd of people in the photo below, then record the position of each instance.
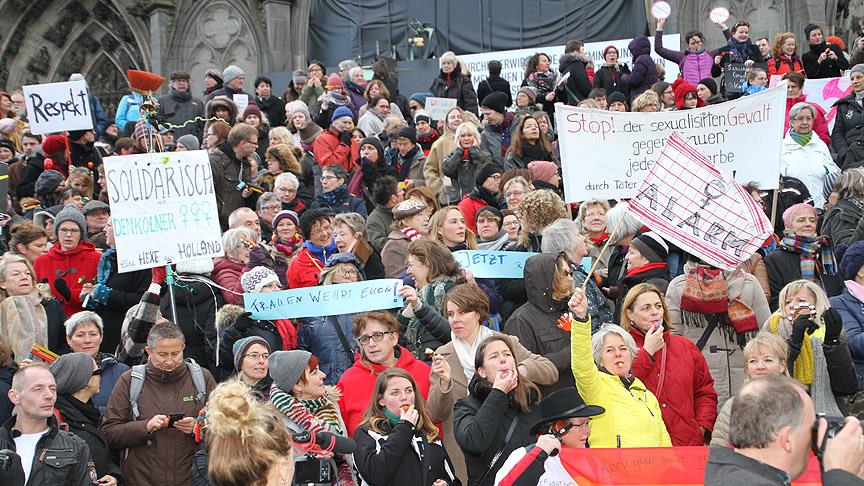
(474, 381)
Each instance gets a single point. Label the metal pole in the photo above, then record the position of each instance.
(169, 277)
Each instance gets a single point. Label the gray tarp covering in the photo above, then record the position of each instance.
(343, 29)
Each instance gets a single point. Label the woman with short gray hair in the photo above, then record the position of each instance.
(237, 243)
(806, 157)
(84, 334)
(844, 222)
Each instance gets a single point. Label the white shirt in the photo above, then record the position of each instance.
(25, 446)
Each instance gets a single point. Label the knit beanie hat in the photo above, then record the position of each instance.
(342, 111)
(609, 48)
(422, 115)
(254, 280)
(420, 97)
(794, 209)
(299, 77)
(241, 346)
(75, 135)
(189, 141)
(543, 170)
(201, 266)
(810, 28)
(231, 72)
(375, 142)
(308, 218)
(53, 144)
(833, 39)
(252, 109)
(858, 68)
(852, 260)
(651, 246)
(681, 88)
(7, 144)
(615, 96)
(529, 92)
(71, 213)
(407, 132)
(710, 84)
(298, 107)
(335, 81)
(286, 213)
(72, 372)
(486, 171)
(496, 101)
(287, 367)
(214, 74)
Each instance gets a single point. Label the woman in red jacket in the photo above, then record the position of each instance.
(316, 227)
(71, 262)
(672, 368)
(785, 57)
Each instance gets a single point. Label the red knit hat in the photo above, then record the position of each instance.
(543, 170)
(53, 144)
(607, 50)
(335, 81)
(681, 88)
(833, 39)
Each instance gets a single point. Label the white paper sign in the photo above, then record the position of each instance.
(513, 62)
(55, 107)
(606, 154)
(163, 208)
(242, 101)
(438, 107)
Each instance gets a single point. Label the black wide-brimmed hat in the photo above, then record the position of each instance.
(563, 404)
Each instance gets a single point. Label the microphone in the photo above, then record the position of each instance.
(324, 440)
(63, 288)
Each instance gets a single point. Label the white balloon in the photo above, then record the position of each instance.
(719, 15)
(661, 10)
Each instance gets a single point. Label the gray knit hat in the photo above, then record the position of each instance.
(72, 372)
(287, 367)
(71, 213)
(189, 141)
(230, 73)
(858, 68)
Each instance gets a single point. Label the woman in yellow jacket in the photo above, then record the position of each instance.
(632, 417)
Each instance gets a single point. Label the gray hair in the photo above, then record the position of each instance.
(520, 180)
(798, 107)
(590, 203)
(164, 330)
(235, 239)
(599, 339)
(850, 184)
(351, 220)
(235, 215)
(757, 420)
(286, 178)
(627, 228)
(354, 70)
(560, 236)
(264, 199)
(347, 64)
(447, 56)
(83, 317)
(8, 258)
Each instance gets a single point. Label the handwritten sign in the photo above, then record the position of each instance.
(493, 264)
(606, 154)
(242, 101)
(438, 107)
(163, 208)
(55, 107)
(325, 300)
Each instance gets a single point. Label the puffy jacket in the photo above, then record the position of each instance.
(328, 150)
(80, 262)
(128, 110)
(722, 352)
(820, 125)
(644, 72)
(678, 376)
(399, 457)
(844, 223)
(319, 336)
(165, 456)
(578, 85)
(112, 369)
(780, 65)
(85, 420)
(847, 138)
(226, 273)
(829, 68)
(185, 108)
(457, 86)
(810, 164)
(304, 270)
(633, 417)
(357, 384)
(694, 66)
(481, 421)
(227, 169)
(536, 322)
(852, 311)
(67, 465)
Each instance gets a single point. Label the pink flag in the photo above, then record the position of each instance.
(689, 202)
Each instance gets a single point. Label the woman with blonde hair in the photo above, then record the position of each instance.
(454, 81)
(646, 102)
(449, 226)
(433, 173)
(280, 136)
(465, 159)
(80, 178)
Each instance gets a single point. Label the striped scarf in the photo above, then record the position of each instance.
(810, 248)
(411, 233)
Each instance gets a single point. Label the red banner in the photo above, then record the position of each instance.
(650, 466)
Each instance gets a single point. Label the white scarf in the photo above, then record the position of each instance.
(466, 351)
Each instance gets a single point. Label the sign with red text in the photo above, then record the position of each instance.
(689, 202)
(606, 155)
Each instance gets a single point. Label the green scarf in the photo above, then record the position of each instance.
(392, 417)
(801, 139)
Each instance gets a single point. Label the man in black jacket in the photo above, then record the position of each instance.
(48, 454)
(179, 107)
(494, 83)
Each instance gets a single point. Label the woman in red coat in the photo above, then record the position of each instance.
(70, 262)
(672, 368)
(316, 227)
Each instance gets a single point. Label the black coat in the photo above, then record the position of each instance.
(126, 291)
(66, 467)
(274, 107)
(609, 79)
(56, 329)
(844, 223)
(494, 83)
(400, 457)
(578, 86)
(457, 86)
(33, 167)
(784, 266)
(84, 420)
(196, 304)
(480, 423)
(829, 68)
(6, 406)
(847, 137)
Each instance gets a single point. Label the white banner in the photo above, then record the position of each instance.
(824, 92)
(55, 107)
(513, 62)
(607, 154)
(163, 207)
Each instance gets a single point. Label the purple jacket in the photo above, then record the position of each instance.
(644, 72)
(694, 66)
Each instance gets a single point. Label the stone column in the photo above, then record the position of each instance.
(299, 33)
(277, 18)
(161, 20)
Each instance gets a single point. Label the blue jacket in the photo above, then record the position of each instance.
(852, 311)
(128, 110)
(111, 371)
(318, 336)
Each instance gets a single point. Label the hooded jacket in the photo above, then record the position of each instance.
(214, 103)
(78, 263)
(357, 384)
(457, 86)
(644, 72)
(165, 456)
(848, 131)
(535, 323)
(128, 110)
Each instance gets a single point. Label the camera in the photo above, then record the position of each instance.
(312, 470)
(835, 424)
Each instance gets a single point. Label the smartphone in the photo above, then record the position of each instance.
(174, 417)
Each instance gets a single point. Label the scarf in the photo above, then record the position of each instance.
(487, 196)
(803, 367)
(405, 162)
(645, 268)
(288, 247)
(504, 130)
(740, 51)
(709, 298)
(801, 139)
(307, 418)
(180, 96)
(432, 295)
(392, 417)
(337, 196)
(88, 410)
(337, 99)
(599, 242)
(24, 322)
(411, 233)
(466, 351)
(320, 253)
(856, 289)
(544, 83)
(809, 248)
(534, 151)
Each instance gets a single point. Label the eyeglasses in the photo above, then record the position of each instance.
(495, 176)
(377, 336)
(257, 356)
(328, 177)
(69, 231)
(271, 207)
(255, 143)
(511, 224)
(510, 194)
(286, 191)
(347, 272)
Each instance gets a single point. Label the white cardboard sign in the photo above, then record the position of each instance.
(56, 107)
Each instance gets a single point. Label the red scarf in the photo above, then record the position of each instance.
(287, 332)
(411, 233)
(601, 240)
(705, 293)
(645, 268)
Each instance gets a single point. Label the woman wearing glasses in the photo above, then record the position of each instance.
(335, 196)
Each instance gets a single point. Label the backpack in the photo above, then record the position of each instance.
(137, 384)
(792, 191)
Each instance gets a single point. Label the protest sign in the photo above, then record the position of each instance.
(606, 154)
(689, 202)
(493, 264)
(824, 93)
(513, 61)
(242, 101)
(163, 208)
(55, 107)
(733, 78)
(325, 300)
(438, 107)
